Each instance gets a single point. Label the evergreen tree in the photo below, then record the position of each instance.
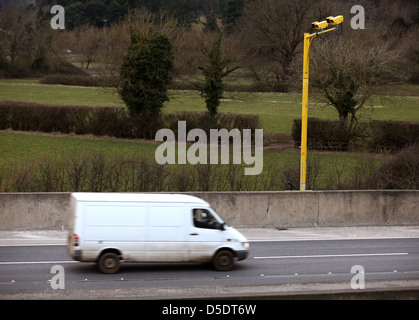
(145, 73)
(214, 72)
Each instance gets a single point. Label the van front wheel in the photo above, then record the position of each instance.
(109, 263)
(223, 260)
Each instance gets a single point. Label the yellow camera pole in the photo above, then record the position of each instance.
(308, 39)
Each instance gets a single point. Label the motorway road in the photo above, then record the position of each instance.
(270, 262)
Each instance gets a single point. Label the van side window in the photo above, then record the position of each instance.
(202, 218)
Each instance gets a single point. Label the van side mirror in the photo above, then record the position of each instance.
(221, 226)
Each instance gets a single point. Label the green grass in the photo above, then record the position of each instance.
(276, 110)
(20, 147)
(30, 90)
(18, 150)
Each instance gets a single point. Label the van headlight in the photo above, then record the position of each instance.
(246, 245)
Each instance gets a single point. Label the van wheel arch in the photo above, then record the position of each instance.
(109, 250)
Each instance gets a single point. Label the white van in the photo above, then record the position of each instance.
(108, 228)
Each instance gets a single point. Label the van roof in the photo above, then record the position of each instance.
(137, 197)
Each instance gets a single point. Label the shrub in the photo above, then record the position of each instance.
(323, 134)
(5, 116)
(392, 135)
(377, 136)
(98, 172)
(401, 171)
(70, 79)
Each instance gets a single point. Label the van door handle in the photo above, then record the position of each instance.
(194, 234)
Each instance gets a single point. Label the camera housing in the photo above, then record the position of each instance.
(320, 25)
(334, 20)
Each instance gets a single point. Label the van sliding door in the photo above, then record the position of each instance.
(166, 233)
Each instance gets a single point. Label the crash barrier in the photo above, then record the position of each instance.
(282, 209)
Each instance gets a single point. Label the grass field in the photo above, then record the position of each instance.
(276, 111)
(17, 147)
(23, 151)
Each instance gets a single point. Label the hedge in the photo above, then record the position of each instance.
(392, 135)
(109, 121)
(323, 134)
(71, 80)
(376, 136)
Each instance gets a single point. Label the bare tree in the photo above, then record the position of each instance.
(27, 41)
(13, 33)
(274, 29)
(90, 43)
(349, 71)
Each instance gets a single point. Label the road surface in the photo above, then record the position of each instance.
(28, 267)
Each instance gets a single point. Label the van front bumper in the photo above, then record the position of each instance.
(242, 254)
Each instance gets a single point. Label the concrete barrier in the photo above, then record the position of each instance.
(244, 209)
(34, 210)
(316, 208)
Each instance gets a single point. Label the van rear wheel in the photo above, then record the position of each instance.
(223, 260)
(109, 263)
